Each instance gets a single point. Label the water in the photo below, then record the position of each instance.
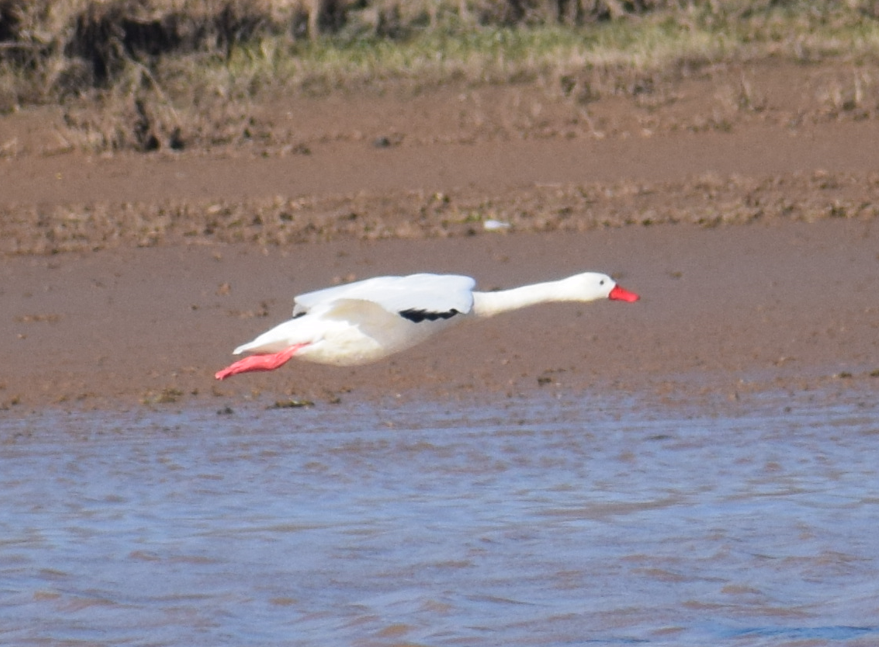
(529, 523)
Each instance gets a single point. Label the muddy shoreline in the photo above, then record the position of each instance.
(127, 280)
(724, 311)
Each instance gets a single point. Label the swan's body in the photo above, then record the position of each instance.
(365, 321)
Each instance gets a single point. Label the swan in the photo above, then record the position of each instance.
(367, 320)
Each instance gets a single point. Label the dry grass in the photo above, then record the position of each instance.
(172, 74)
(708, 201)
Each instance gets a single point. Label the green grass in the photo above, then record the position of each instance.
(653, 45)
(488, 55)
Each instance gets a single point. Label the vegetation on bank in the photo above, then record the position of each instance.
(706, 201)
(153, 74)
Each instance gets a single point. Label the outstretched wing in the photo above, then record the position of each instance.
(417, 297)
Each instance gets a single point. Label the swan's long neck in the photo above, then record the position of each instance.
(488, 304)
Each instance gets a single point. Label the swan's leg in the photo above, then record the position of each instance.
(268, 362)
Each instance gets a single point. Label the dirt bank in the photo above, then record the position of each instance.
(129, 279)
(726, 309)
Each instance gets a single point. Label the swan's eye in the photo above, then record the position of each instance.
(601, 282)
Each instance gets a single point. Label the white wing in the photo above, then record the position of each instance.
(427, 293)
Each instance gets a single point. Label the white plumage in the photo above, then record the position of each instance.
(364, 321)
(435, 292)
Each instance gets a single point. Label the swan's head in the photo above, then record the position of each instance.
(593, 285)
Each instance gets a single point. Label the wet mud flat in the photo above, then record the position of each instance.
(724, 311)
(547, 520)
(126, 280)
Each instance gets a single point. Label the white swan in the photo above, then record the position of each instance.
(365, 321)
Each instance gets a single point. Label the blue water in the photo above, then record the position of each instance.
(536, 522)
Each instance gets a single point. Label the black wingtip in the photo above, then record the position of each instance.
(417, 316)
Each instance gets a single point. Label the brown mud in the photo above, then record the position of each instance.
(128, 279)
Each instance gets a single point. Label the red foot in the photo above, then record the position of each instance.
(267, 362)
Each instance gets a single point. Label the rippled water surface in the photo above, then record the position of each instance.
(528, 523)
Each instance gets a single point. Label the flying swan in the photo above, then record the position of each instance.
(367, 320)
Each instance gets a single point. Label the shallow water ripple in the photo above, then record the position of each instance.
(532, 523)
